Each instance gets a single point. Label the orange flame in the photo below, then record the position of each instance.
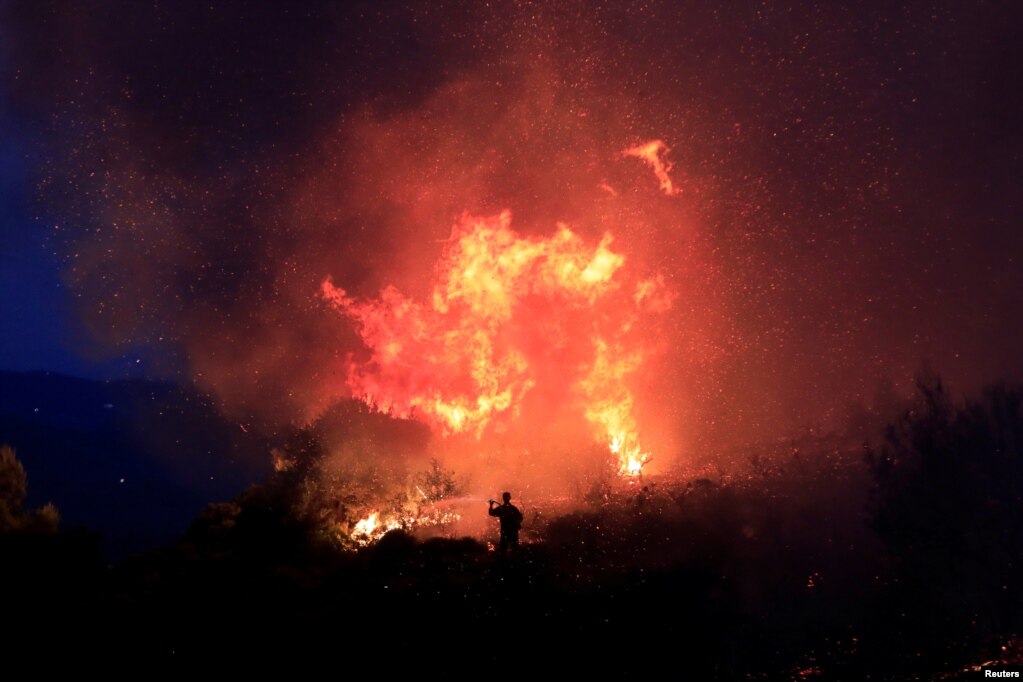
(368, 530)
(504, 304)
(652, 154)
(372, 528)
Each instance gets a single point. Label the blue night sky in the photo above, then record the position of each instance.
(32, 299)
(43, 329)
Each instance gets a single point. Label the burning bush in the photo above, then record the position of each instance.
(356, 474)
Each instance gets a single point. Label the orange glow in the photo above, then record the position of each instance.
(508, 313)
(372, 528)
(368, 530)
(652, 153)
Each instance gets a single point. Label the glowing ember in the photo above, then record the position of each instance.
(651, 153)
(508, 313)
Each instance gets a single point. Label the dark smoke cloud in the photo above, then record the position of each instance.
(851, 179)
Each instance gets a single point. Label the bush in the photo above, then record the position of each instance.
(13, 490)
(948, 504)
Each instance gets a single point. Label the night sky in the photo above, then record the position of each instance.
(177, 178)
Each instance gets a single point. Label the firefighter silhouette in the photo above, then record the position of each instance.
(511, 522)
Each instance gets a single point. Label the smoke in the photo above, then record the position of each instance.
(205, 168)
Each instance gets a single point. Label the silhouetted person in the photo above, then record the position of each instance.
(511, 522)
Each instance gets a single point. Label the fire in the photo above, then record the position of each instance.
(372, 528)
(651, 153)
(508, 313)
(368, 530)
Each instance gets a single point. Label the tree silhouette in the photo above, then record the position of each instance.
(948, 504)
(13, 490)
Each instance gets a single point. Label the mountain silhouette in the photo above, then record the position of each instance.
(135, 460)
